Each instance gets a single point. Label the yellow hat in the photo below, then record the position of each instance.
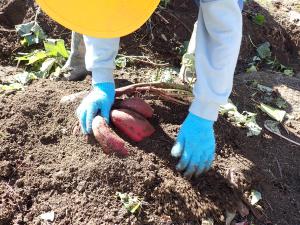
(100, 18)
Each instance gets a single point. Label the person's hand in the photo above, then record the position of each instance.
(195, 146)
(99, 100)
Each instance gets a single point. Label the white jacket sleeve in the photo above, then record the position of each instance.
(100, 57)
(218, 40)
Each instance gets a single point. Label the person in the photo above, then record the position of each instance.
(218, 39)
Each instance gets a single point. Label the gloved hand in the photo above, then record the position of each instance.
(195, 145)
(99, 100)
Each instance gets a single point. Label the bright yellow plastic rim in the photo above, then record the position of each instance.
(100, 18)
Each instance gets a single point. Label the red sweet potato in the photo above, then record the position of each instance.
(109, 141)
(132, 124)
(138, 105)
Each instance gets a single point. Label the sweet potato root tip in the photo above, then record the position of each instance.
(133, 125)
(138, 105)
(109, 141)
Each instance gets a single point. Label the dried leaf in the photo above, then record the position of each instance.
(208, 221)
(245, 119)
(166, 75)
(48, 216)
(227, 107)
(131, 203)
(188, 60)
(264, 88)
(273, 126)
(25, 77)
(274, 113)
(255, 196)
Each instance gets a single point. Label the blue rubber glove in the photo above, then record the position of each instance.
(99, 100)
(195, 145)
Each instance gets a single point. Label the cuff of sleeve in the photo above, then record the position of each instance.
(205, 110)
(102, 75)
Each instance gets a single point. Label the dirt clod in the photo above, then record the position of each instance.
(6, 169)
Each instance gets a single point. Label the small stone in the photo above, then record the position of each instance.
(31, 157)
(81, 186)
(20, 183)
(59, 175)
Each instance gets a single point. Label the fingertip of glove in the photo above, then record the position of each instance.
(180, 167)
(105, 117)
(177, 150)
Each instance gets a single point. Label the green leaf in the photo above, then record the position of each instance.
(253, 129)
(188, 60)
(245, 120)
(9, 87)
(33, 57)
(256, 59)
(255, 196)
(25, 77)
(264, 50)
(168, 75)
(227, 107)
(280, 103)
(56, 47)
(56, 73)
(288, 72)
(259, 19)
(265, 89)
(274, 113)
(131, 203)
(46, 67)
(121, 62)
(31, 32)
(2, 134)
(165, 3)
(183, 48)
(251, 69)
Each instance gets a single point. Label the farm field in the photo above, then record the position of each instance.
(46, 167)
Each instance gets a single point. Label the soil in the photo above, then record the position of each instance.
(44, 167)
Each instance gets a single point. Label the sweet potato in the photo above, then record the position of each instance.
(109, 141)
(138, 105)
(132, 124)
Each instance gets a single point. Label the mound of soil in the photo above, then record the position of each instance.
(50, 169)
(46, 168)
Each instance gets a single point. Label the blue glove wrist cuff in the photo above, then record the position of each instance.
(199, 121)
(107, 87)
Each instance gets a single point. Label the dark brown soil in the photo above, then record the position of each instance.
(44, 167)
